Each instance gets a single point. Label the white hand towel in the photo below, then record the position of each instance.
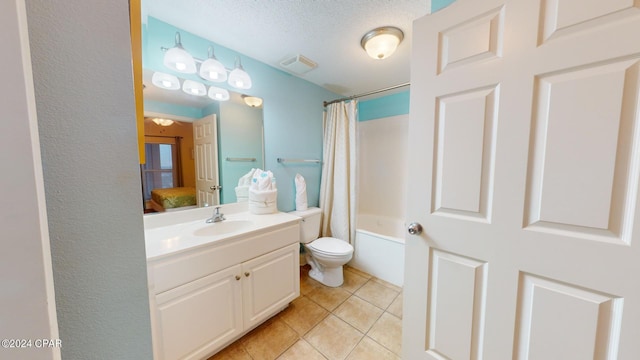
(301, 193)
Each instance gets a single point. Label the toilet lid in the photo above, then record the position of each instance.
(331, 246)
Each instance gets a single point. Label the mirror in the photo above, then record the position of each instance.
(171, 154)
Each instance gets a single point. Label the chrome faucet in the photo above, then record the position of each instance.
(217, 217)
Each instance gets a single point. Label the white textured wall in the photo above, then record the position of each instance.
(27, 308)
(382, 166)
(83, 83)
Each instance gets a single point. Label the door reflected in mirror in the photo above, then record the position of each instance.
(197, 148)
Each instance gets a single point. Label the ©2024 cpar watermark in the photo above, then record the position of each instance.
(30, 343)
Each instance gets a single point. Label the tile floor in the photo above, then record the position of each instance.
(359, 320)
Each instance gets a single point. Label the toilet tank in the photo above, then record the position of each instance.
(310, 225)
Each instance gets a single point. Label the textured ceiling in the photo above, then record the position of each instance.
(325, 31)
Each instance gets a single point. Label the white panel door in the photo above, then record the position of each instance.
(524, 167)
(206, 154)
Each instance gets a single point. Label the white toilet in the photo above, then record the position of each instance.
(326, 255)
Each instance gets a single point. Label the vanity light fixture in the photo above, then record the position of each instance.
(162, 122)
(165, 81)
(218, 94)
(194, 88)
(191, 87)
(178, 59)
(212, 69)
(239, 78)
(380, 43)
(252, 101)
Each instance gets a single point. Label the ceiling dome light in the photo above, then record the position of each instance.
(165, 81)
(218, 94)
(380, 43)
(162, 122)
(252, 101)
(212, 69)
(178, 59)
(238, 78)
(194, 88)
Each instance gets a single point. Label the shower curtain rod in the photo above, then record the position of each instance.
(325, 103)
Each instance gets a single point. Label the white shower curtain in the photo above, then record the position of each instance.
(337, 186)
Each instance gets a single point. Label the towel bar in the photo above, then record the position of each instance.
(241, 159)
(281, 160)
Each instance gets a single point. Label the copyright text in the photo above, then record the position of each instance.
(30, 343)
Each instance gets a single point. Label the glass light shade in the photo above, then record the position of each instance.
(218, 94)
(194, 88)
(239, 79)
(213, 70)
(382, 42)
(162, 122)
(178, 59)
(165, 81)
(252, 101)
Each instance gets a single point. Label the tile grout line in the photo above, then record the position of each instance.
(364, 334)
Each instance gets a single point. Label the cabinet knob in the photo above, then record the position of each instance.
(247, 274)
(237, 277)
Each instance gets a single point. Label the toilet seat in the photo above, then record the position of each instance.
(329, 246)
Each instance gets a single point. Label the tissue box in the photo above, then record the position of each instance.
(263, 202)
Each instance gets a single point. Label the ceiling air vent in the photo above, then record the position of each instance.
(298, 64)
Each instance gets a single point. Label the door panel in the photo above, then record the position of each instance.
(547, 308)
(525, 165)
(565, 16)
(473, 40)
(463, 179)
(460, 321)
(604, 99)
(206, 152)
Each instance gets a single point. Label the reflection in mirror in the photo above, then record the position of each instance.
(197, 148)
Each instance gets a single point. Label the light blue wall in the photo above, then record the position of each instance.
(439, 4)
(242, 129)
(173, 109)
(292, 108)
(385, 106)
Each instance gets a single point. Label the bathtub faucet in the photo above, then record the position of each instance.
(217, 217)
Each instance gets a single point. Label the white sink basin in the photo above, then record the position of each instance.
(223, 227)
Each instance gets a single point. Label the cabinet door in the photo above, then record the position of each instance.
(198, 317)
(270, 281)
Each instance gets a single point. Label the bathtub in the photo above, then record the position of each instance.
(379, 247)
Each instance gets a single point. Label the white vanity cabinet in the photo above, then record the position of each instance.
(199, 316)
(269, 284)
(205, 298)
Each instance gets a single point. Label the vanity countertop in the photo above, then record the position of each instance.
(170, 233)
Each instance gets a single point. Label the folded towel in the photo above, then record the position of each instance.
(301, 193)
(262, 180)
(242, 193)
(266, 196)
(263, 202)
